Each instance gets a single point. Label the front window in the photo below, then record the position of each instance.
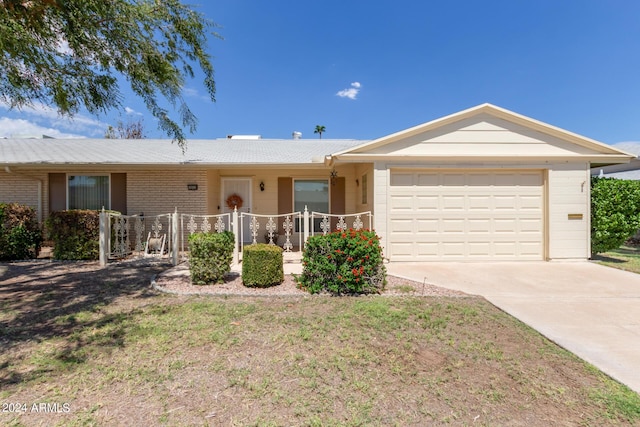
(312, 193)
(88, 192)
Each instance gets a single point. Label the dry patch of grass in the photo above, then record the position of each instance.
(139, 359)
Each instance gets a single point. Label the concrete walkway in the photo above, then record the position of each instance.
(591, 310)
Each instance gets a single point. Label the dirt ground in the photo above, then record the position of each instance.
(474, 373)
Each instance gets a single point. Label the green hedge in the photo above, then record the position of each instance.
(262, 265)
(615, 212)
(20, 233)
(210, 256)
(75, 234)
(340, 263)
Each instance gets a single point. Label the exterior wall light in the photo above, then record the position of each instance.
(261, 185)
(192, 187)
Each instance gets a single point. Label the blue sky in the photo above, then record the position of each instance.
(282, 66)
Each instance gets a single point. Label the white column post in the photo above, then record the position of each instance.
(103, 238)
(305, 227)
(236, 237)
(174, 237)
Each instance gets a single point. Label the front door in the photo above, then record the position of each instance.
(237, 192)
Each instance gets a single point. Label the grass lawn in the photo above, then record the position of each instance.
(116, 353)
(625, 258)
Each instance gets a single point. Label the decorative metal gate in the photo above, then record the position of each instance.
(122, 236)
(274, 227)
(190, 224)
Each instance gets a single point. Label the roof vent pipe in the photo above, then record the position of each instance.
(296, 134)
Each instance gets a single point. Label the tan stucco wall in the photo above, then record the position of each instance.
(266, 202)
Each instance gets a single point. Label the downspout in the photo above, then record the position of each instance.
(8, 170)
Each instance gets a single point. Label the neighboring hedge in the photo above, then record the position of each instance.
(615, 212)
(75, 234)
(262, 265)
(20, 233)
(210, 257)
(340, 263)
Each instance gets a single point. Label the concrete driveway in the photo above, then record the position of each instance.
(591, 310)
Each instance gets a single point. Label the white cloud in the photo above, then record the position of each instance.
(131, 111)
(351, 92)
(20, 127)
(194, 93)
(45, 117)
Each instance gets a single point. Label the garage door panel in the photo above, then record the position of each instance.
(531, 203)
(401, 226)
(479, 203)
(478, 249)
(402, 179)
(453, 203)
(466, 215)
(479, 225)
(429, 226)
(452, 225)
(401, 203)
(505, 203)
(505, 226)
(533, 225)
(453, 180)
(427, 249)
(427, 202)
(453, 249)
(402, 249)
(427, 179)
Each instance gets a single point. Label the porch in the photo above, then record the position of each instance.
(166, 235)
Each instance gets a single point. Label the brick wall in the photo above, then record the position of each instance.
(157, 192)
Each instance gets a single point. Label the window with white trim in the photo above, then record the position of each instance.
(88, 192)
(312, 193)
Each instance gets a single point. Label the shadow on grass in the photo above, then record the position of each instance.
(40, 300)
(603, 258)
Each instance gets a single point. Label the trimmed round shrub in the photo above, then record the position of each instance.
(75, 234)
(343, 262)
(262, 265)
(20, 234)
(210, 256)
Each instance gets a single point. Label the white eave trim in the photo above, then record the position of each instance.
(448, 158)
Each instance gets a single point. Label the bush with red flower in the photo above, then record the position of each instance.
(343, 262)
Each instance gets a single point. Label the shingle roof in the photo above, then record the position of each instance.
(162, 151)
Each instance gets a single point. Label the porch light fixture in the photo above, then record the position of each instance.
(261, 185)
(334, 175)
(192, 187)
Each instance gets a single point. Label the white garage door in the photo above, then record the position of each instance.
(470, 215)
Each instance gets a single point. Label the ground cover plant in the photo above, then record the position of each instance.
(118, 353)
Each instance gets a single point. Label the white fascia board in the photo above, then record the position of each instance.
(360, 158)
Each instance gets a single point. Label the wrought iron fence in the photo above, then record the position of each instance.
(164, 235)
(125, 235)
(191, 224)
(274, 227)
(325, 223)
